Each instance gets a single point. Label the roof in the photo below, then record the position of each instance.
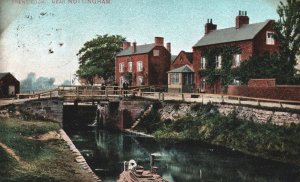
(140, 49)
(173, 57)
(3, 75)
(182, 69)
(189, 56)
(245, 32)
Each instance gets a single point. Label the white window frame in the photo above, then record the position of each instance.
(237, 60)
(174, 78)
(270, 40)
(139, 66)
(218, 62)
(155, 52)
(203, 63)
(130, 66)
(140, 80)
(121, 67)
(203, 85)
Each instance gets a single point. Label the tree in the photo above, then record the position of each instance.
(287, 33)
(262, 66)
(97, 57)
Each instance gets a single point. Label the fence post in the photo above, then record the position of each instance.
(258, 102)
(239, 100)
(163, 97)
(202, 96)
(50, 94)
(106, 92)
(182, 96)
(222, 99)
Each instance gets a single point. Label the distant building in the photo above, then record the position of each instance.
(9, 85)
(143, 64)
(181, 75)
(253, 39)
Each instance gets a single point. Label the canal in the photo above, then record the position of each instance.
(105, 152)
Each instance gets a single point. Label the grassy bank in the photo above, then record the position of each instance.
(25, 158)
(265, 140)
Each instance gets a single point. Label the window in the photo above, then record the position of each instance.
(203, 63)
(155, 52)
(122, 80)
(121, 67)
(130, 66)
(174, 77)
(237, 60)
(181, 59)
(139, 66)
(236, 82)
(270, 38)
(218, 62)
(140, 80)
(188, 79)
(203, 84)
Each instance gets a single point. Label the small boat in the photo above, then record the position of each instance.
(135, 173)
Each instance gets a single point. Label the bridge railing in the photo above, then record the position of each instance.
(220, 98)
(38, 95)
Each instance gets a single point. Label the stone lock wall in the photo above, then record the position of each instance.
(174, 111)
(50, 109)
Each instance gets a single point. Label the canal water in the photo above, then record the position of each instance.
(105, 152)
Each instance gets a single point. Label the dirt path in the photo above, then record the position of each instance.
(10, 151)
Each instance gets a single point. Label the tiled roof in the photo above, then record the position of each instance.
(3, 75)
(245, 32)
(140, 49)
(173, 57)
(189, 55)
(182, 69)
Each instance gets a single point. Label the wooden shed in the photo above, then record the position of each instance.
(9, 85)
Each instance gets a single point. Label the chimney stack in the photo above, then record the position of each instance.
(209, 26)
(168, 46)
(159, 41)
(126, 45)
(133, 48)
(241, 19)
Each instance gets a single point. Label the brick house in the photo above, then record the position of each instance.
(143, 64)
(181, 74)
(9, 85)
(253, 39)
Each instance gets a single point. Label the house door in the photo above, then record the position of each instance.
(11, 90)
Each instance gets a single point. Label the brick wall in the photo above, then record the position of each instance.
(159, 66)
(280, 92)
(262, 83)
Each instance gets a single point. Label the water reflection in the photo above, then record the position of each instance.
(180, 162)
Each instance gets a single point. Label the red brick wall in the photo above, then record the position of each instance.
(178, 63)
(260, 45)
(262, 83)
(280, 92)
(246, 52)
(159, 66)
(134, 59)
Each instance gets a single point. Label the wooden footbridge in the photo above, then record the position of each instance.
(75, 94)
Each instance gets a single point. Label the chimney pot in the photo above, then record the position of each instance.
(159, 41)
(209, 26)
(168, 46)
(133, 48)
(242, 19)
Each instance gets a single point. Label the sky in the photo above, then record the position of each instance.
(33, 27)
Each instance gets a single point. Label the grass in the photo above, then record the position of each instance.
(266, 140)
(49, 160)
